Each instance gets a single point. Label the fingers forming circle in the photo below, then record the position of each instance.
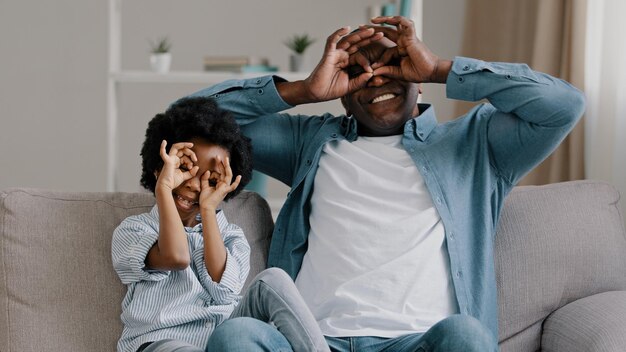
(333, 39)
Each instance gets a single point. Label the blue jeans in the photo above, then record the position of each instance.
(272, 297)
(455, 333)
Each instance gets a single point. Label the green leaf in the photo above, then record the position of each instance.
(162, 45)
(299, 43)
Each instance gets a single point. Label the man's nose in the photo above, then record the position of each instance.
(377, 81)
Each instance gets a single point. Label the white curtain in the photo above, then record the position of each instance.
(605, 87)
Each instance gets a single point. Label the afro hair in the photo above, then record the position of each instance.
(196, 117)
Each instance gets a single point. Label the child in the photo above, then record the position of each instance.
(183, 263)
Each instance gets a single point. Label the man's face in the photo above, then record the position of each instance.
(382, 107)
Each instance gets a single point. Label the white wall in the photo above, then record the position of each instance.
(52, 94)
(54, 67)
(443, 33)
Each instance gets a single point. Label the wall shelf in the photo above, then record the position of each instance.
(117, 76)
(194, 76)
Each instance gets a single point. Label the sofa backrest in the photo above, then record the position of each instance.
(59, 292)
(58, 289)
(555, 244)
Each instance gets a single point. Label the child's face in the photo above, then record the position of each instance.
(186, 195)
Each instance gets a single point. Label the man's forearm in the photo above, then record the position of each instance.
(293, 93)
(514, 88)
(441, 72)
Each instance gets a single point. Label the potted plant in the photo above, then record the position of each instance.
(298, 44)
(160, 58)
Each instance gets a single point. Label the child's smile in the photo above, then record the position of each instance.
(187, 195)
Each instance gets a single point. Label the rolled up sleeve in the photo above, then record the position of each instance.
(132, 240)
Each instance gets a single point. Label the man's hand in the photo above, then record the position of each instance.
(330, 80)
(216, 186)
(416, 62)
(178, 165)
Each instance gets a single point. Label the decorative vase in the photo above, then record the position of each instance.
(160, 63)
(296, 62)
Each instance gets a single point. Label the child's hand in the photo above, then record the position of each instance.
(178, 165)
(215, 187)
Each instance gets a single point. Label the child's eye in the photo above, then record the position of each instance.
(184, 168)
(212, 183)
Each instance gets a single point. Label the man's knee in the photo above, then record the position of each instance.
(247, 334)
(274, 282)
(273, 277)
(463, 333)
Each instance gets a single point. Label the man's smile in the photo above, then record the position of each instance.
(383, 97)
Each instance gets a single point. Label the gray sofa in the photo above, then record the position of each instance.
(560, 260)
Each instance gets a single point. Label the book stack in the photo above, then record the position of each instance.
(389, 9)
(238, 64)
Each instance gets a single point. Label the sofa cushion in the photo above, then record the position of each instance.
(58, 288)
(596, 323)
(555, 244)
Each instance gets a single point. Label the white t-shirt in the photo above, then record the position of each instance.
(377, 262)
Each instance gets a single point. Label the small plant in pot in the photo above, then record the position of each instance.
(160, 58)
(298, 44)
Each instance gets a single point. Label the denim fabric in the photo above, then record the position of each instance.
(170, 345)
(273, 297)
(455, 333)
(247, 335)
(469, 164)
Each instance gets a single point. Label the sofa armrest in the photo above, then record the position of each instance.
(594, 323)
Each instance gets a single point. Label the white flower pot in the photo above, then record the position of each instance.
(161, 62)
(296, 62)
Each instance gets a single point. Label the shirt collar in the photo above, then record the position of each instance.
(349, 126)
(420, 126)
(423, 124)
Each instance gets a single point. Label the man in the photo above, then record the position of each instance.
(388, 229)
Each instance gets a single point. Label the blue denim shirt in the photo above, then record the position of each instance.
(469, 165)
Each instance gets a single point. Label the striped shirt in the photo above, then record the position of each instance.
(185, 305)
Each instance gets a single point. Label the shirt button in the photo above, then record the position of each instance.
(461, 79)
(208, 324)
(452, 236)
(459, 274)
(334, 135)
(438, 200)
(258, 81)
(465, 68)
(260, 91)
